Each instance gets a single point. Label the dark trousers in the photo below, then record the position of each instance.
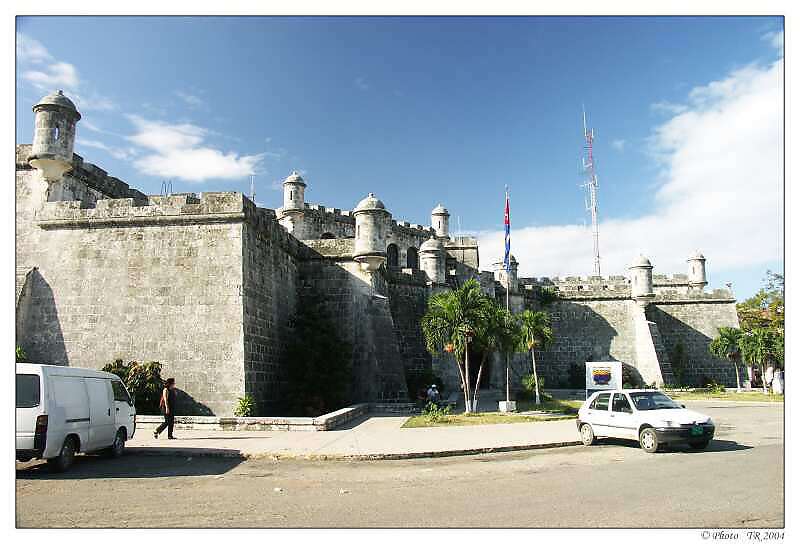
(169, 424)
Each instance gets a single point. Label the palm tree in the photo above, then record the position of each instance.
(535, 333)
(451, 322)
(726, 346)
(498, 332)
(762, 347)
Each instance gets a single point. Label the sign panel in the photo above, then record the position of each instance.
(602, 376)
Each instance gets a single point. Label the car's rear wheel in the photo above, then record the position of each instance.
(648, 440)
(65, 457)
(698, 444)
(587, 435)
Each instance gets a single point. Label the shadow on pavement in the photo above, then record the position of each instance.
(714, 446)
(130, 465)
(363, 419)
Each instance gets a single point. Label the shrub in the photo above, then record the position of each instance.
(631, 378)
(20, 356)
(245, 406)
(715, 388)
(143, 381)
(679, 362)
(433, 413)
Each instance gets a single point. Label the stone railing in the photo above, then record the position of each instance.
(325, 422)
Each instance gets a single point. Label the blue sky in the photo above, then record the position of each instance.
(427, 110)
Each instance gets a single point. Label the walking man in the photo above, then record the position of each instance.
(167, 405)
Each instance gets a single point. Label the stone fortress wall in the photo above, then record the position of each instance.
(208, 284)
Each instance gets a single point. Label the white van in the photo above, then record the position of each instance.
(64, 410)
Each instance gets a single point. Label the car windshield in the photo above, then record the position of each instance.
(27, 390)
(653, 401)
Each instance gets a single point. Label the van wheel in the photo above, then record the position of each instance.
(65, 457)
(587, 435)
(117, 449)
(648, 440)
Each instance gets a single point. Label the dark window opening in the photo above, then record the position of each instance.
(392, 256)
(412, 258)
(327, 236)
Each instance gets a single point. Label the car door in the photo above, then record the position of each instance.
(124, 412)
(622, 422)
(598, 414)
(101, 420)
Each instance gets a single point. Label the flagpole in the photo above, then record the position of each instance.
(508, 306)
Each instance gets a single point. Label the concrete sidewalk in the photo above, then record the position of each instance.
(372, 437)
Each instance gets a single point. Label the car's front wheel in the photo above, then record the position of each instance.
(587, 435)
(648, 440)
(118, 447)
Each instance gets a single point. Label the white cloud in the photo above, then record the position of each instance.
(775, 39)
(191, 100)
(56, 75)
(619, 145)
(720, 191)
(178, 151)
(668, 107)
(45, 73)
(361, 83)
(116, 152)
(30, 50)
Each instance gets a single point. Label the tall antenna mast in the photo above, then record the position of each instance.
(591, 187)
(253, 188)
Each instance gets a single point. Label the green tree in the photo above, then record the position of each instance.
(762, 347)
(451, 322)
(726, 346)
(143, 381)
(765, 309)
(536, 333)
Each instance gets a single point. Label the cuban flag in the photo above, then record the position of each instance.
(507, 223)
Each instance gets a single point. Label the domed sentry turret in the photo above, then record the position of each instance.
(641, 278)
(294, 188)
(372, 220)
(440, 221)
(55, 117)
(507, 279)
(293, 211)
(697, 271)
(432, 259)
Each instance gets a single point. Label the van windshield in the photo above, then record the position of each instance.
(27, 390)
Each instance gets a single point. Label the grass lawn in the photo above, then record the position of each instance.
(482, 418)
(730, 394)
(550, 405)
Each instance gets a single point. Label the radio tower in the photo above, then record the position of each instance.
(591, 186)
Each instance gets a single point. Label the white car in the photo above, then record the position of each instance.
(64, 410)
(646, 415)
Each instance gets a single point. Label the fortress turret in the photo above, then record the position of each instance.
(372, 220)
(55, 117)
(291, 214)
(432, 259)
(697, 272)
(641, 278)
(509, 278)
(440, 221)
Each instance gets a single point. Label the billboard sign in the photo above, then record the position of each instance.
(604, 375)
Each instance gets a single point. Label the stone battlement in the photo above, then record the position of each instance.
(337, 213)
(184, 205)
(92, 175)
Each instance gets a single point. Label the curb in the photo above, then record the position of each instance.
(236, 454)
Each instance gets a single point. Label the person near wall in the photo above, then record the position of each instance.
(167, 405)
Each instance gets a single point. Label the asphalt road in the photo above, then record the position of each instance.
(737, 482)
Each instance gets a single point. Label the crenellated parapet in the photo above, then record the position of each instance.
(88, 173)
(577, 287)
